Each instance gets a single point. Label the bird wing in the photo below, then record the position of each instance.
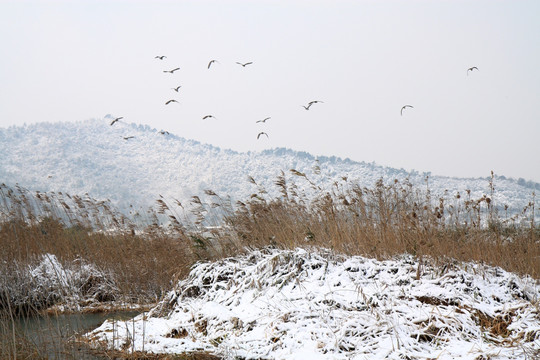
(404, 107)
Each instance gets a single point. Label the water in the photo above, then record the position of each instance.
(52, 333)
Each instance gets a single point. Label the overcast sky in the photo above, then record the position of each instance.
(75, 60)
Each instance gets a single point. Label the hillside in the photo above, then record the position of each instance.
(93, 157)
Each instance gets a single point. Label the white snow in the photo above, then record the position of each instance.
(313, 304)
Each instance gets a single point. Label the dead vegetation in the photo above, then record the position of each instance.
(386, 220)
(150, 250)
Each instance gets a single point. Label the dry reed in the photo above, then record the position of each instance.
(147, 255)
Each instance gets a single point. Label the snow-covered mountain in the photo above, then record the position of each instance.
(135, 164)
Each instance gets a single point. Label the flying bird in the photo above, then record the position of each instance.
(245, 64)
(311, 103)
(163, 132)
(160, 57)
(262, 133)
(404, 107)
(263, 120)
(170, 101)
(177, 88)
(208, 116)
(472, 69)
(171, 71)
(128, 137)
(115, 120)
(211, 62)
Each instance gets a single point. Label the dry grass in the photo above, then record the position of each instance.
(143, 258)
(143, 265)
(387, 220)
(147, 257)
(143, 261)
(115, 354)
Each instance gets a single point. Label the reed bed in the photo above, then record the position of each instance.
(391, 219)
(140, 256)
(76, 254)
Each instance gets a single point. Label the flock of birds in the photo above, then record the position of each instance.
(262, 133)
(177, 89)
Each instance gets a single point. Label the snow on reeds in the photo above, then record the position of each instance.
(298, 304)
(47, 282)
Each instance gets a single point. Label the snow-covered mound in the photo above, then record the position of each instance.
(94, 157)
(48, 282)
(277, 304)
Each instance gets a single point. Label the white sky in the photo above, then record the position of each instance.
(74, 60)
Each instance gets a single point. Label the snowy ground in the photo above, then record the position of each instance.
(276, 304)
